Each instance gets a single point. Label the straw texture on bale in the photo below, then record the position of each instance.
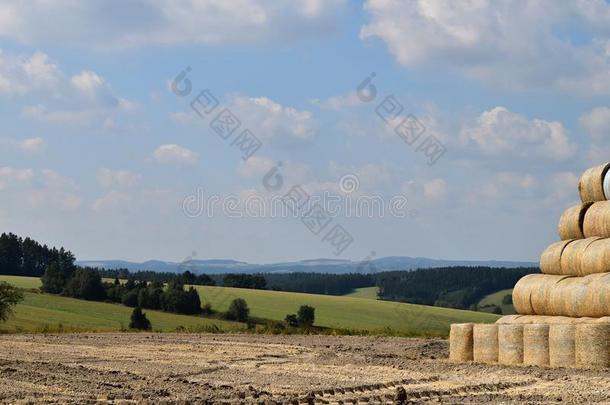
(510, 344)
(536, 344)
(562, 345)
(550, 261)
(597, 220)
(572, 221)
(508, 319)
(578, 297)
(596, 258)
(485, 343)
(572, 256)
(460, 342)
(545, 319)
(591, 185)
(592, 345)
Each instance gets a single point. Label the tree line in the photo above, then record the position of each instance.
(26, 257)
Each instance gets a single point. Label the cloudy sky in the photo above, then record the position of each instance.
(101, 151)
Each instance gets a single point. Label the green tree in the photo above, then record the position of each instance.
(139, 320)
(130, 298)
(9, 297)
(56, 277)
(306, 315)
(86, 284)
(238, 310)
(292, 320)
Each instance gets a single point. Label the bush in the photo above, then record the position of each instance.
(9, 297)
(238, 310)
(139, 320)
(306, 315)
(292, 320)
(130, 298)
(180, 301)
(86, 284)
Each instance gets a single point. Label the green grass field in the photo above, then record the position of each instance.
(345, 312)
(45, 312)
(365, 292)
(40, 310)
(496, 299)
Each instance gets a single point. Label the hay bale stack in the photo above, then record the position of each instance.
(536, 345)
(597, 220)
(572, 256)
(572, 221)
(596, 258)
(562, 349)
(543, 298)
(508, 319)
(592, 345)
(510, 344)
(591, 185)
(485, 343)
(597, 297)
(461, 342)
(522, 292)
(550, 262)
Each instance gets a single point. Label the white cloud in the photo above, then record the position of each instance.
(255, 167)
(597, 122)
(501, 43)
(269, 120)
(111, 200)
(29, 145)
(108, 178)
(12, 176)
(173, 153)
(167, 22)
(502, 132)
(435, 189)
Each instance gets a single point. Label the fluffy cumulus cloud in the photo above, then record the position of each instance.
(597, 122)
(80, 99)
(177, 154)
(511, 44)
(501, 132)
(108, 178)
(269, 120)
(117, 24)
(28, 145)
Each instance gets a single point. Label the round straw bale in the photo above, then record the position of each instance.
(485, 343)
(597, 220)
(591, 185)
(605, 319)
(572, 256)
(572, 221)
(596, 258)
(592, 345)
(510, 344)
(562, 345)
(509, 319)
(550, 261)
(460, 342)
(541, 297)
(569, 298)
(522, 292)
(597, 297)
(536, 344)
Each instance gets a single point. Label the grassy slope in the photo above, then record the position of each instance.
(40, 310)
(344, 312)
(496, 299)
(365, 292)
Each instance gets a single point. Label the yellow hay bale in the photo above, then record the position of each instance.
(572, 221)
(541, 319)
(536, 344)
(541, 297)
(460, 342)
(596, 258)
(592, 345)
(597, 297)
(597, 220)
(522, 292)
(572, 256)
(562, 345)
(485, 343)
(510, 344)
(605, 319)
(591, 185)
(508, 319)
(550, 261)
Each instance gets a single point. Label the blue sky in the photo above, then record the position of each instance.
(98, 154)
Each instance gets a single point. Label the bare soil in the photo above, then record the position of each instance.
(253, 369)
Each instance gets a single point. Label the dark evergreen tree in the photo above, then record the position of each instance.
(139, 320)
(306, 315)
(85, 284)
(238, 310)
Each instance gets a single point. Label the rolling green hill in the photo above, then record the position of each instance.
(360, 314)
(364, 292)
(345, 312)
(44, 312)
(495, 299)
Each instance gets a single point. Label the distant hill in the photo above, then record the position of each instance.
(333, 266)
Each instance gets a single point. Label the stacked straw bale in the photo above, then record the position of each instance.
(563, 314)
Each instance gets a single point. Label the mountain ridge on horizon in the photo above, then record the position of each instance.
(321, 265)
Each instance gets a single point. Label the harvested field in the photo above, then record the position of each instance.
(230, 369)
